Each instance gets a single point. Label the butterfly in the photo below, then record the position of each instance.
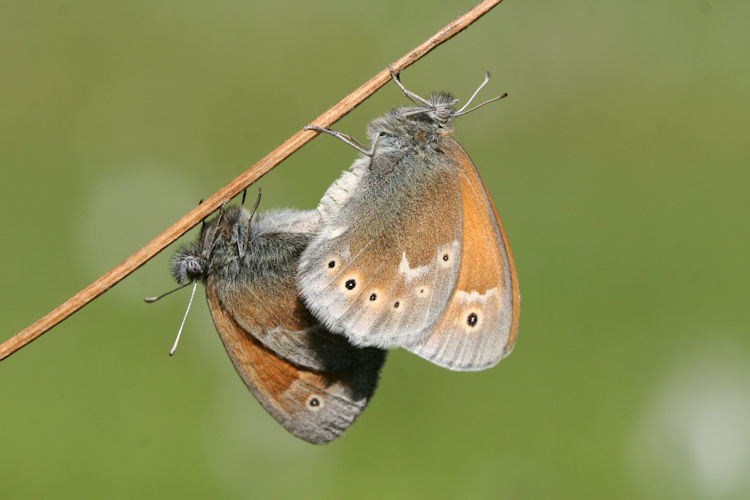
(314, 383)
(411, 251)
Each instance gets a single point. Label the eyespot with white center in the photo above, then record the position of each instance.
(372, 298)
(472, 319)
(314, 402)
(446, 256)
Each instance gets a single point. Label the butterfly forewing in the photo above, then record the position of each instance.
(255, 281)
(384, 263)
(270, 309)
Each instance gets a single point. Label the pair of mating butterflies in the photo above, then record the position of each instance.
(405, 250)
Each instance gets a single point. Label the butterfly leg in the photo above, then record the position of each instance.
(210, 246)
(249, 221)
(375, 139)
(203, 222)
(408, 93)
(351, 141)
(348, 139)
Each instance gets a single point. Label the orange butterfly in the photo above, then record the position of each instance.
(411, 251)
(311, 381)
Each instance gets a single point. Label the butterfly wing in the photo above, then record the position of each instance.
(316, 407)
(259, 290)
(480, 323)
(271, 311)
(384, 262)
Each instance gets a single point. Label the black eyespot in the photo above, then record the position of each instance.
(396, 304)
(445, 257)
(350, 284)
(421, 290)
(373, 296)
(332, 264)
(314, 402)
(472, 319)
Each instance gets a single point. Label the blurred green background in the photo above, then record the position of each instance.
(619, 164)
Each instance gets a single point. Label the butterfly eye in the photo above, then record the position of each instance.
(193, 267)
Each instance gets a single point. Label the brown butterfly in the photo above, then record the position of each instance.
(312, 382)
(411, 251)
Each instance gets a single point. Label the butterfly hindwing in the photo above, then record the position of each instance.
(316, 407)
(480, 323)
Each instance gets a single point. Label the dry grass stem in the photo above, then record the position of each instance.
(229, 191)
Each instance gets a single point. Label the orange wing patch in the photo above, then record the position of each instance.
(480, 323)
(316, 407)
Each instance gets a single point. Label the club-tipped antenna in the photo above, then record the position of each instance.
(250, 220)
(481, 86)
(459, 112)
(179, 332)
(151, 300)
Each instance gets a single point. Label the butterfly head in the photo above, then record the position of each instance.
(192, 262)
(188, 264)
(428, 119)
(440, 108)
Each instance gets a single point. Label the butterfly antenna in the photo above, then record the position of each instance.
(179, 332)
(481, 86)
(244, 194)
(408, 93)
(150, 300)
(250, 220)
(480, 105)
